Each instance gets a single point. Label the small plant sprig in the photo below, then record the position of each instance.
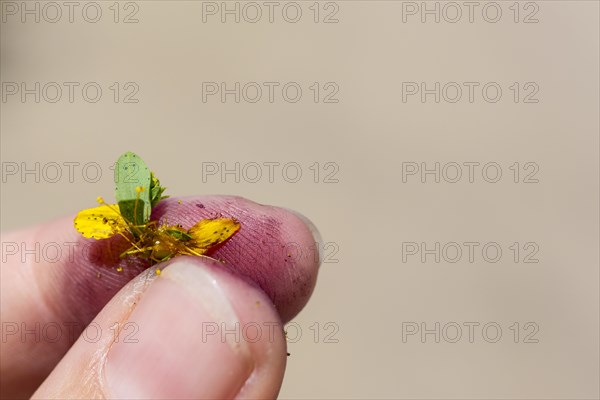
(138, 191)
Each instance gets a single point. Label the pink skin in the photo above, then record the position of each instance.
(274, 250)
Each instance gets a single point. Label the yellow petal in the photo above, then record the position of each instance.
(100, 222)
(210, 232)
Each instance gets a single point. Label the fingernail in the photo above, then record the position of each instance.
(318, 239)
(173, 346)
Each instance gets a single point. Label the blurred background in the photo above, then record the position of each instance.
(447, 151)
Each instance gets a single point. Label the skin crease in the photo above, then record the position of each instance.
(274, 250)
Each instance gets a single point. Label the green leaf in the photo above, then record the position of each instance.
(131, 173)
(179, 235)
(156, 191)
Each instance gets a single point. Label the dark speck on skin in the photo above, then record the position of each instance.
(199, 205)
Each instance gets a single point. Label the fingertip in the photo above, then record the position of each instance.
(199, 332)
(277, 248)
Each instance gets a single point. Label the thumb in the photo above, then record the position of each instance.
(194, 331)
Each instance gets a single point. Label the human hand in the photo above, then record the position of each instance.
(200, 329)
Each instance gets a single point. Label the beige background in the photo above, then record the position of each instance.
(367, 215)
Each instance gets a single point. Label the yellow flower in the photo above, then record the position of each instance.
(100, 222)
(137, 192)
(157, 243)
